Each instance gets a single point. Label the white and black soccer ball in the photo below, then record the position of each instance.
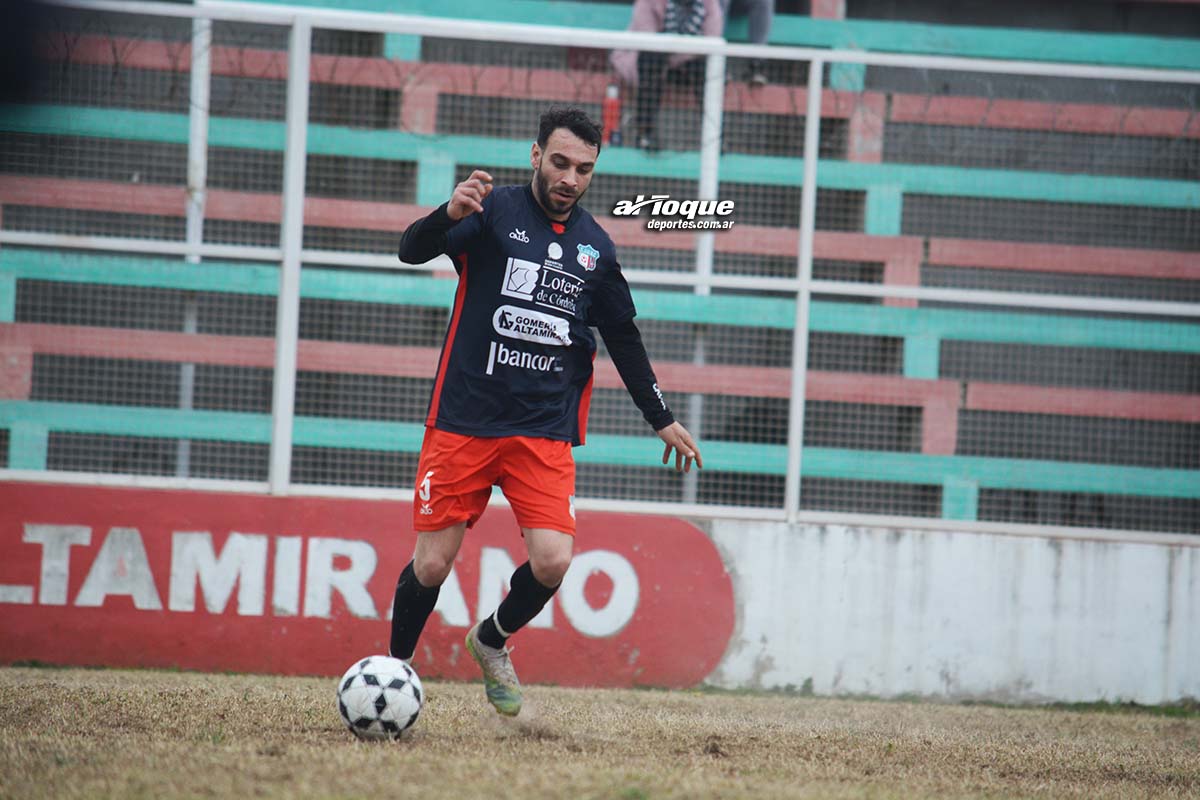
(380, 697)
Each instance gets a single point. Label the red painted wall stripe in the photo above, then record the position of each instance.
(902, 271)
(866, 129)
(986, 112)
(16, 370)
(371, 359)
(828, 9)
(579, 85)
(122, 198)
(237, 351)
(939, 398)
(428, 78)
(900, 252)
(1076, 259)
(127, 198)
(396, 217)
(1083, 402)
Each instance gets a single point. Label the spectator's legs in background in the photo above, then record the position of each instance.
(762, 14)
(651, 69)
(691, 76)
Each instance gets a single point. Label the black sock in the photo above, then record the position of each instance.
(411, 607)
(526, 598)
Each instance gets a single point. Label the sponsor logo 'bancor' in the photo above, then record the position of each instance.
(512, 357)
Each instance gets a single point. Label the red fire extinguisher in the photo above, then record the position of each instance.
(610, 116)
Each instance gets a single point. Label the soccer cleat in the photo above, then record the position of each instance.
(499, 678)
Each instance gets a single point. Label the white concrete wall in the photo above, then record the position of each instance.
(1013, 618)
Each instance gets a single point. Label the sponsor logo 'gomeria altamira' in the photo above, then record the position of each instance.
(531, 326)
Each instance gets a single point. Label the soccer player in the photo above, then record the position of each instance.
(510, 399)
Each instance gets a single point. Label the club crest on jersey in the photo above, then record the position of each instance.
(519, 235)
(588, 256)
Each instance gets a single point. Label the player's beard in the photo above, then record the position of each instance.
(550, 202)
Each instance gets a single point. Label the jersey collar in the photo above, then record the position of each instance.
(540, 213)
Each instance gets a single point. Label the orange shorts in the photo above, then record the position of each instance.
(455, 476)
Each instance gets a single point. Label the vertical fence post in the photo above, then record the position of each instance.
(808, 218)
(711, 116)
(8, 298)
(287, 314)
(197, 178)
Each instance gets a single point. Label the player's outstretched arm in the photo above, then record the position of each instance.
(629, 356)
(677, 438)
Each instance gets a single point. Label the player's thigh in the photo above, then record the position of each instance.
(434, 554)
(550, 554)
(538, 478)
(454, 480)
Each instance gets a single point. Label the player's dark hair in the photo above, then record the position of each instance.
(573, 119)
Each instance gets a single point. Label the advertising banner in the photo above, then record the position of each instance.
(135, 577)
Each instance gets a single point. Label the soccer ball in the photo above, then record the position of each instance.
(380, 697)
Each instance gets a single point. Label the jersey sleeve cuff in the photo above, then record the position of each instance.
(660, 419)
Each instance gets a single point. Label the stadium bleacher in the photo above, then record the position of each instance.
(914, 407)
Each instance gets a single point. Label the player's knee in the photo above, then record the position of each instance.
(550, 569)
(432, 569)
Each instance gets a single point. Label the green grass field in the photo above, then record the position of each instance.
(68, 733)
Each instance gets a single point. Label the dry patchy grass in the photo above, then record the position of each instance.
(87, 733)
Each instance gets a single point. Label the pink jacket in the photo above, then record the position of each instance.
(648, 16)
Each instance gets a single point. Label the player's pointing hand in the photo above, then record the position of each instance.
(678, 439)
(468, 195)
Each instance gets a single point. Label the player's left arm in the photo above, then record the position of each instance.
(624, 343)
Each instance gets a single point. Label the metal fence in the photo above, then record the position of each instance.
(996, 264)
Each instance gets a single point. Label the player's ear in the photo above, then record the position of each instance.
(535, 155)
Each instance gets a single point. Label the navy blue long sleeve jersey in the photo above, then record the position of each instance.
(517, 359)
